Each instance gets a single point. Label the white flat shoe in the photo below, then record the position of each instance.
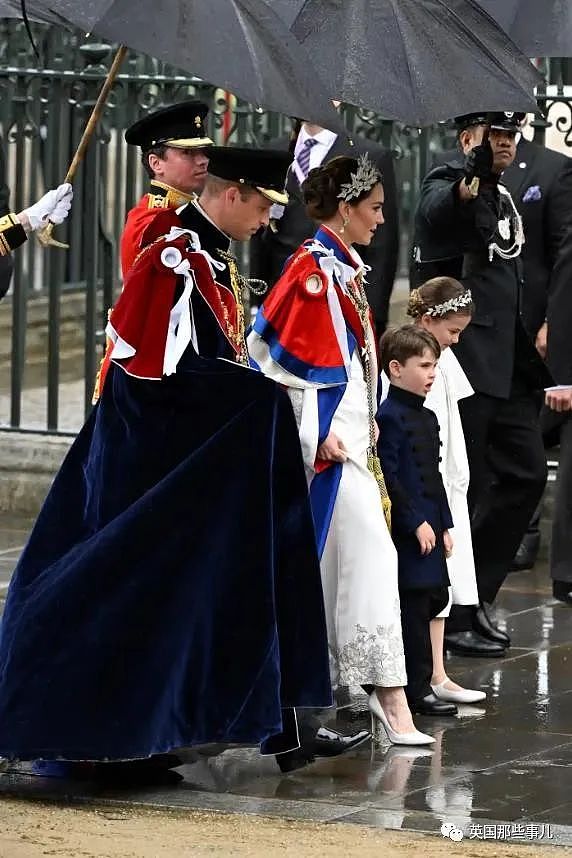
(465, 695)
(378, 715)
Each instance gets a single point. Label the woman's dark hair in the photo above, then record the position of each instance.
(324, 183)
(406, 342)
(435, 292)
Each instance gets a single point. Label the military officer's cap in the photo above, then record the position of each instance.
(501, 120)
(181, 126)
(263, 169)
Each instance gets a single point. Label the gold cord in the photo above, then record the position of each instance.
(360, 302)
(238, 283)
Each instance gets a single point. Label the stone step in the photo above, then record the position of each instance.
(28, 464)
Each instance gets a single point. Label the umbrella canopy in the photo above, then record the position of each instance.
(240, 45)
(418, 62)
(541, 28)
(35, 12)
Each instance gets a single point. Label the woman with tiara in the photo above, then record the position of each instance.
(444, 307)
(314, 335)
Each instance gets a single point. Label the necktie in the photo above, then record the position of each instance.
(303, 157)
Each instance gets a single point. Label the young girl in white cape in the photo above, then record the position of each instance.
(444, 308)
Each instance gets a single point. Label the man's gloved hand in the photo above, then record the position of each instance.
(479, 163)
(53, 206)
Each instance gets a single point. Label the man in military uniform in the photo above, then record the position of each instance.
(467, 226)
(174, 153)
(203, 623)
(53, 207)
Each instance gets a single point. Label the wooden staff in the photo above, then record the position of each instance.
(45, 234)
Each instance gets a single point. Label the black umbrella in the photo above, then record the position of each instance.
(541, 28)
(240, 45)
(36, 12)
(415, 61)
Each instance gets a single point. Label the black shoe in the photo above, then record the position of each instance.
(431, 705)
(155, 770)
(325, 743)
(473, 645)
(289, 761)
(148, 771)
(484, 626)
(525, 557)
(562, 590)
(330, 743)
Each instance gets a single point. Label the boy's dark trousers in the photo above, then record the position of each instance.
(418, 608)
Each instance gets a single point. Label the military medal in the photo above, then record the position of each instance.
(504, 228)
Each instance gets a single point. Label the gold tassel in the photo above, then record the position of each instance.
(374, 465)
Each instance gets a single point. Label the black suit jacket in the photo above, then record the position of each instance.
(545, 220)
(270, 249)
(559, 314)
(452, 238)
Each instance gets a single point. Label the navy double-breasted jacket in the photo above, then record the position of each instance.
(409, 448)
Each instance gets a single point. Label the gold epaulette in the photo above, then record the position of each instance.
(168, 198)
(157, 201)
(12, 234)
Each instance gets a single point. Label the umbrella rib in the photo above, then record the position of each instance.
(248, 40)
(409, 71)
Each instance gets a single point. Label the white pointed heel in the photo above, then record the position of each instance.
(378, 717)
(465, 695)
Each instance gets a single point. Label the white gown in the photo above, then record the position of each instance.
(359, 562)
(451, 385)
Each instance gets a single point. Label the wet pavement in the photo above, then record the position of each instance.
(499, 770)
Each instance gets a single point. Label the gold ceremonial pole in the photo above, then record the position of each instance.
(45, 234)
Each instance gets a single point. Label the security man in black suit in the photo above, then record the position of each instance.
(290, 226)
(559, 358)
(540, 183)
(467, 226)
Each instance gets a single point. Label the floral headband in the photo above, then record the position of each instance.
(364, 179)
(453, 305)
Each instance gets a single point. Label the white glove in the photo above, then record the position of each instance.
(53, 206)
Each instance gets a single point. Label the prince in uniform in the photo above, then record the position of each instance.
(150, 609)
(174, 153)
(467, 226)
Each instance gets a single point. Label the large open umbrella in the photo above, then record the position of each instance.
(250, 52)
(13, 9)
(415, 61)
(240, 45)
(541, 28)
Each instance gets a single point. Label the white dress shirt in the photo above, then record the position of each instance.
(325, 139)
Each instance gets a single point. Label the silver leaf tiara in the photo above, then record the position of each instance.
(453, 305)
(364, 179)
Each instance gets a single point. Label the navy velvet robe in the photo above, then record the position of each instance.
(170, 592)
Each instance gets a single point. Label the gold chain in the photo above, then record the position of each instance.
(360, 302)
(237, 282)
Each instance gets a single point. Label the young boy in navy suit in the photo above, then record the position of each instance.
(409, 447)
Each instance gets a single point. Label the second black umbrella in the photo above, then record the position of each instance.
(418, 62)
